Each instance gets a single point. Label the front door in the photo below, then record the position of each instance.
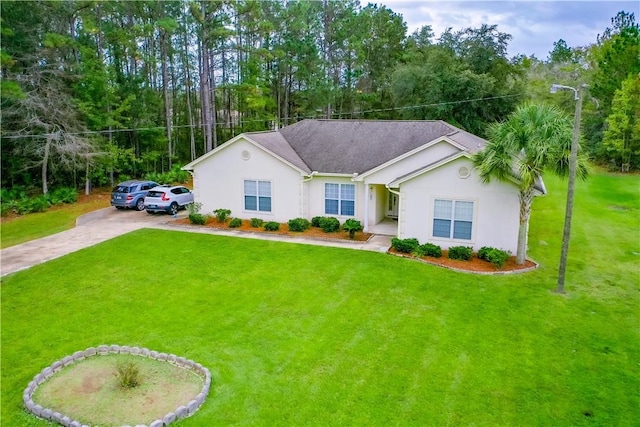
(392, 205)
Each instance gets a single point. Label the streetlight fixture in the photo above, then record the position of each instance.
(573, 165)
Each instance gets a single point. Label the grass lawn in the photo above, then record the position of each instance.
(306, 335)
(20, 229)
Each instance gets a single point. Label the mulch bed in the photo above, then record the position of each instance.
(475, 265)
(312, 232)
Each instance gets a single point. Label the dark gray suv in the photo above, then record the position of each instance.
(130, 194)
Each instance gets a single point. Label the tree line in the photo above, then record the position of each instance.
(94, 92)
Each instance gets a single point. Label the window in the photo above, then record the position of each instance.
(339, 199)
(452, 219)
(257, 196)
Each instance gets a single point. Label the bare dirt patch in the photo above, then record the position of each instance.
(88, 391)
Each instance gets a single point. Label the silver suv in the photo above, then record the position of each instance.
(130, 194)
(169, 199)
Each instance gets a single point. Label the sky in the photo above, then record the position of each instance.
(534, 25)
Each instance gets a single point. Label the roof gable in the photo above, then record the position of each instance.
(358, 146)
(353, 146)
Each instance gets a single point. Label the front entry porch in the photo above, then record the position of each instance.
(386, 227)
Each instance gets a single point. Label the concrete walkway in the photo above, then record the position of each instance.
(107, 223)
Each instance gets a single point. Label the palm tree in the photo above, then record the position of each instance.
(534, 137)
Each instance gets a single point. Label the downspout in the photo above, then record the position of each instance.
(310, 177)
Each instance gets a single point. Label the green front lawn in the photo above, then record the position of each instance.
(306, 335)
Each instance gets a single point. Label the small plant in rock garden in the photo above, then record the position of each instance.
(406, 246)
(195, 217)
(235, 223)
(463, 253)
(298, 224)
(127, 374)
(430, 249)
(329, 224)
(272, 226)
(352, 226)
(256, 222)
(222, 214)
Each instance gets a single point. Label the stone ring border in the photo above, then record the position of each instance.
(179, 413)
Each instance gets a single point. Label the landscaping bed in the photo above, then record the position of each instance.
(311, 232)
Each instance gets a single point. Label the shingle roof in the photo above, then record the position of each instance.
(356, 146)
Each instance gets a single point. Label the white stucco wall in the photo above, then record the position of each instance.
(496, 205)
(219, 182)
(315, 193)
(418, 160)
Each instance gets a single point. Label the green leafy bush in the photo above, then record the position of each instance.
(429, 249)
(197, 218)
(315, 221)
(222, 214)
(256, 222)
(174, 176)
(352, 226)
(483, 252)
(298, 224)
(272, 226)
(495, 256)
(63, 195)
(406, 246)
(235, 223)
(463, 253)
(329, 224)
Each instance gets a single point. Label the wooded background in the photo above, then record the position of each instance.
(120, 89)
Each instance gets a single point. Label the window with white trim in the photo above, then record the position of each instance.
(452, 219)
(340, 199)
(257, 196)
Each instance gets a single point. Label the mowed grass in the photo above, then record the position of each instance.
(307, 335)
(20, 229)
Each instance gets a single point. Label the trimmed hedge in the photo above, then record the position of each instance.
(495, 256)
(256, 222)
(429, 249)
(406, 246)
(298, 224)
(272, 226)
(463, 253)
(329, 224)
(235, 223)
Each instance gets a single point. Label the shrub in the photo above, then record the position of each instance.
(197, 218)
(495, 256)
(463, 253)
(298, 224)
(429, 249)
(315, 221)
(272, 226)
(235, 223)
(406, 246)
(352, 226)
(128, 374)
(222, 214)
(329, 224)
(483, 252)
(256, 222)
(63, 195)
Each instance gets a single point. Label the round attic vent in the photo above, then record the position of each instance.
(245, 155)
(464, 172)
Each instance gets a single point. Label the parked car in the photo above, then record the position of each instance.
(169, 199)
(130, 194)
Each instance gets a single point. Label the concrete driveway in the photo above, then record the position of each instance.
(107, 223)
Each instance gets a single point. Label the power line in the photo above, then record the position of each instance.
(410, 107)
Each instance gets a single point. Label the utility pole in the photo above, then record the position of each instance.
(573, 166)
